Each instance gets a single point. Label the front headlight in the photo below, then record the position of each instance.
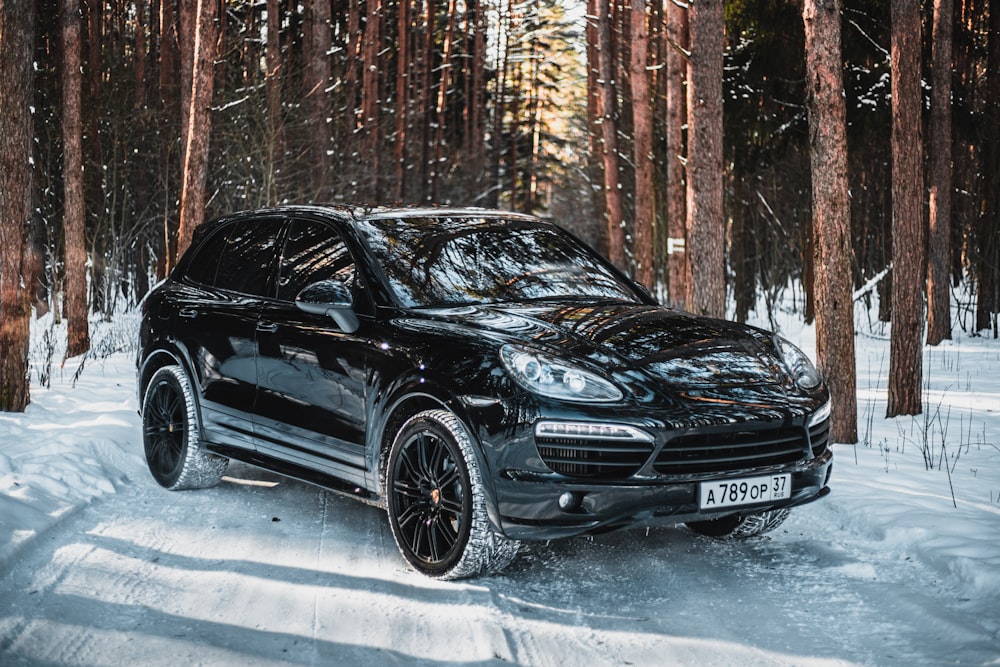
(546, 375)
(797, 364)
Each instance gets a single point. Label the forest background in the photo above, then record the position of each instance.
(673, 136)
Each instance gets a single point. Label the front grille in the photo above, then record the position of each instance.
(819, 437)
(609, 459)
(733, 450)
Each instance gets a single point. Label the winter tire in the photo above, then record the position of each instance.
(435, 501)
(171, 435)
(741, 525)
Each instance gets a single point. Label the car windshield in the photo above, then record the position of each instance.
(444, 261)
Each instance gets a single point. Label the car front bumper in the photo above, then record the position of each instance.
(529, 507)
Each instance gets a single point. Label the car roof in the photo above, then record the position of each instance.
(359, 212)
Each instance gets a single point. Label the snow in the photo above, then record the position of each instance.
(99, 566)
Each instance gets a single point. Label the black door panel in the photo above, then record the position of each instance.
(226, 284)
(310, 375)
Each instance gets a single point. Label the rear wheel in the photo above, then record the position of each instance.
(741, 525)
(171, 436)
(435, 501)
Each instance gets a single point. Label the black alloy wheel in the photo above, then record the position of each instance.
(431, 500)
(171, 435)
(164, 429)
(436, 506)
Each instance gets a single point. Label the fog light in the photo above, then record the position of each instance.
(568, 501)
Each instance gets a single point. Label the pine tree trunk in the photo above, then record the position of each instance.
(195, 167)
(141, 21)
(74, 207)
(17, 33)
(441, 105)
(706, 228)
(939, 243)
(609, 127)
(370, 101)
(595, 162)
(425, 65)
(909, 269)
(402, 103)
(831, 213)
(677, 28)
(988, 227)
(272, 85)
(645, 204)
(318, 98)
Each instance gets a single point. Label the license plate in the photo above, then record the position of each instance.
(745, 491)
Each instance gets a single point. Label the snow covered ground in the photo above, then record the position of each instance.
(900, 565)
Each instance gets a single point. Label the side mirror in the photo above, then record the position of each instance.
(331, 298)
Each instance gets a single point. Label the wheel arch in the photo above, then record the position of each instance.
(159, 358)
(412, 399)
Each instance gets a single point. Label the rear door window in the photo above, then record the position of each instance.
(239, 258)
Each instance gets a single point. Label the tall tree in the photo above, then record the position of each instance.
(441, 104)
(74, 207)
(987, 268)
(645, 205)
(17, 33)
(370, 102)
(706, 228)
(908, 267)
(272, 78)
(199, 121)
(677, 29)
(831, 213)
(939, 243)
(609, 130)
(317, 83)
(402, 103)
(169, 68)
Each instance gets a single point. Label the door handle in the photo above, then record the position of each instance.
(267, 327)
(188, 312)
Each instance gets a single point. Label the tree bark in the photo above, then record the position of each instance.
(195, 169)
(425, 63)
(141, 21)
(74, 206)
(272, 85)
(17, 33)
(939, 245)
(402, 103)
(168, 73)
(645, 204)
(370, 101)
(909, 269)
(831, 213)
(609, 126)
(677, 29)
(988, 227)
(706, 227)
(595, 161)
(441, 104)
(318, 99)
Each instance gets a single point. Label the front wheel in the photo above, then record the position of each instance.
(171, 437)
(741, 525)
(435, 501)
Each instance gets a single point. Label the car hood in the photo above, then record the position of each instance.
(672, 348)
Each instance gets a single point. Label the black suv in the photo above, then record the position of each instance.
(484, 376)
